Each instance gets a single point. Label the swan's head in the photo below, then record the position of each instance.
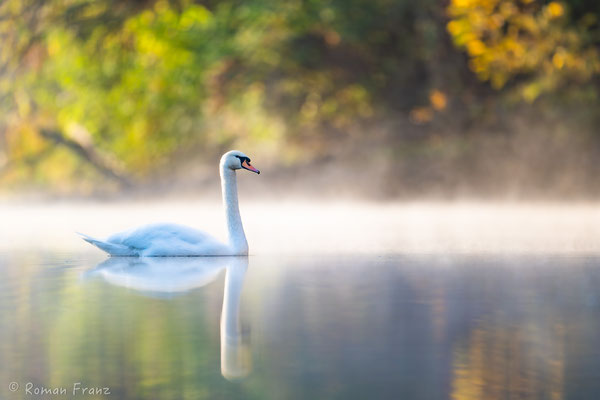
(237, 160)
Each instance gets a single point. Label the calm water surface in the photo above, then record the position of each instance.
(300, 327)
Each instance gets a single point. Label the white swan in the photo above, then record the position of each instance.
(158, 240)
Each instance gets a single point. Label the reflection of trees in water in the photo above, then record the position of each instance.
(515, 329)
(27, 312)
(500, 361)
(140, 345)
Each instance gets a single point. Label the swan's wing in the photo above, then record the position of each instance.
(168, 240)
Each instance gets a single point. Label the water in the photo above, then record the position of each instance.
(273, 327)
(493, 307)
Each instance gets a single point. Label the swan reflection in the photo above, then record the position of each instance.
(170, 276)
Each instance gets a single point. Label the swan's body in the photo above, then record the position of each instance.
(162, 239)
(165, 240)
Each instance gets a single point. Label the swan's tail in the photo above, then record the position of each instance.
(111, 248)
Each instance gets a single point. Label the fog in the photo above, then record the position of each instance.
(294, 228)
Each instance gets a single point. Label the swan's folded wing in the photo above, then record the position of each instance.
(167, 239)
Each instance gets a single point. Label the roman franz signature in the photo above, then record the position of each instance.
(75, 390)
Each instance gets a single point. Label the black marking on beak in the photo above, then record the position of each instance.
(247, 160)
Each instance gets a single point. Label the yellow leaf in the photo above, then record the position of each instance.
(558, 60)
(555, 9)
(421, 115)
(438, 100)
(476, 47)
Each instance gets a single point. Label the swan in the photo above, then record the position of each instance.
(171, 240)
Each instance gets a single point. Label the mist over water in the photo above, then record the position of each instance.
(291, 227)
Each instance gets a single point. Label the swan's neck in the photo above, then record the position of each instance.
(237, 238)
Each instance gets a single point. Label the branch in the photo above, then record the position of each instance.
(88, 154)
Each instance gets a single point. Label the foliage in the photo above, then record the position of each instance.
(115, 91)
(508, 39)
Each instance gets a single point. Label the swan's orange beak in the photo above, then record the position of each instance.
(249, 167)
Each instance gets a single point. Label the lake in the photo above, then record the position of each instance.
(493, 306)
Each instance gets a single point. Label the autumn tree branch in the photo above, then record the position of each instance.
(90, 155)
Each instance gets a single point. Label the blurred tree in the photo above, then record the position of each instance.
(116, 91)
(506, 40)
(148, 82)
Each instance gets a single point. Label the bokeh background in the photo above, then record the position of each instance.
(369, 98)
